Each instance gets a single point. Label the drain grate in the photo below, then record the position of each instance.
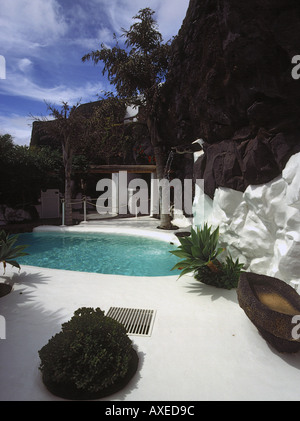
(136, 321)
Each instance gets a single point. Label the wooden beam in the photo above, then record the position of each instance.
(109, 169)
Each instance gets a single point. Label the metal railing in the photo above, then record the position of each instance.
(88, 201)
(84, 201)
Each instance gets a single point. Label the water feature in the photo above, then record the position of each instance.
(104, 253)
(201, 203)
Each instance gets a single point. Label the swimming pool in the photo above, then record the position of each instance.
(104, 253)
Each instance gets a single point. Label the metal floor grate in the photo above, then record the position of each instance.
(136, 321)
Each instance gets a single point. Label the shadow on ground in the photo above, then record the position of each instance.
(216, 293)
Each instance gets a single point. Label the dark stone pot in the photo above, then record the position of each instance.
(271, 305)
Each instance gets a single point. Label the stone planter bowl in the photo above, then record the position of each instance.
(271, 305)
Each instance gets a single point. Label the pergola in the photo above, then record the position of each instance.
(112, 169)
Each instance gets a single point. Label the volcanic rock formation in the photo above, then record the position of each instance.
(231, 84)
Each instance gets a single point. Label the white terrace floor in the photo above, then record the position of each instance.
(202, 346)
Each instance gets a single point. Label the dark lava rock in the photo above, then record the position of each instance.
(231, 84)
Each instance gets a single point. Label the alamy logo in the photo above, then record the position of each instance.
(2, 68)
(296, 329)
(2, 327)
(165, 195)
(296, 69)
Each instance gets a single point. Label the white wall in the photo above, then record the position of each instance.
(262, 225)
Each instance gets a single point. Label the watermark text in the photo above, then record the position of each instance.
(2, 67)
(296, 329)
(119, 196)
(296, 69)
(153, 410)
(2, 327)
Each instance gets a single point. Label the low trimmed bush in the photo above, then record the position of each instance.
(88, 357)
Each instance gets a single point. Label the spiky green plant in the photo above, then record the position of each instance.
(226, 277)
(200, 249)
(200, 254)
(9, 252)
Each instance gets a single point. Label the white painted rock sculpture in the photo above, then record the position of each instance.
(261, 226)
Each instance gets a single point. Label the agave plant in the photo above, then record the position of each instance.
(200, 249)
(200, 254)
(227, 276)
(9, 252)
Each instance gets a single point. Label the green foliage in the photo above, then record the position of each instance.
(80, 163)
(143, 35)
(9, 252)
(200, 254)
(226, 277)
(6, 144)
(140, 67)
(69, 125)
(90, 353)
(197, 250)
(138, 72)
(25, 171)
(108, 137)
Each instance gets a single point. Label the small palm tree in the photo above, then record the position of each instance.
(9, 252)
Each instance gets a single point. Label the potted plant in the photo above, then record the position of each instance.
(9, 252)
(92, 357)
(200, 253)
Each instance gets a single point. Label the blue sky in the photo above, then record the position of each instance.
(42, 42)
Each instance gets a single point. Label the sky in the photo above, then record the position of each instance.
(41, 46)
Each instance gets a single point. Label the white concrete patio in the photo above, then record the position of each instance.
(202, 346)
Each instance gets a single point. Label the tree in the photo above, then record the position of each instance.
(86, 133)
(25, 171)
(107, 134)
(6, 144)
(138, 72)
(69, 126)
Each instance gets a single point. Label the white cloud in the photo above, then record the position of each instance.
(24, 64)
(39, 37)
(23, 86)
(102, 35)
(30, 24)
(105, 36)
(169, 13)
(19, 127)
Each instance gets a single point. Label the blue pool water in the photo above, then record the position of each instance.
(100, 253)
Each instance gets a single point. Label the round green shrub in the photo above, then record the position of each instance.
(90, 355)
